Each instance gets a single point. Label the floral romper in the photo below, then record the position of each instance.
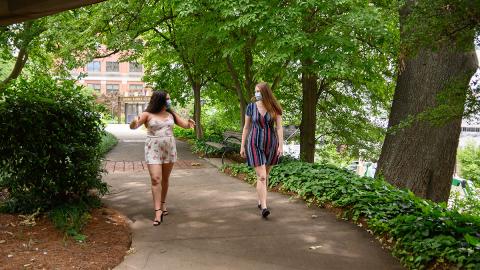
(160, 145)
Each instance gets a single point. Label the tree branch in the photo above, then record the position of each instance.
(22, 58)
(106, 55)
(235, 78)
(279, 76)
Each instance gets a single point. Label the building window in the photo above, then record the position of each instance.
(95, 86)
(113, 67)
(136, 90)
(135, 87)
(471, 129)
(112, 88)
(135, 67)
(94, 66)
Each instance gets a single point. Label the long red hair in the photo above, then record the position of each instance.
(269, 100)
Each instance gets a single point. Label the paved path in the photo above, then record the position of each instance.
(214, 223)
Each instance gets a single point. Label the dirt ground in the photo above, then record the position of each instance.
(42, 246)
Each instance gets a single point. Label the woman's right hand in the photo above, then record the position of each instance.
(242, 152)
(191, 123)
(133, 124)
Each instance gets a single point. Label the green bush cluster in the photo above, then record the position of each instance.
(72, 217)
(200, 146)
(107, 143)
(50, 134)
(182, 133)
(469, 161)
(468, 203)
(421, 232)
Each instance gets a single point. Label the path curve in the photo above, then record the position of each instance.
(214, 223)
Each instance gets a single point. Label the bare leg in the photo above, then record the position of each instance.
(268, 169)
(262, 185)
(166, 170)
(155, 171)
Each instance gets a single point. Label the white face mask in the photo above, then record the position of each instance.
(258, 95)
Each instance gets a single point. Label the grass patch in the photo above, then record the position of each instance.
(108, 142)
(72, 217)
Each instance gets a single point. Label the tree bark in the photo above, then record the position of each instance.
(238, 88)
(22, 58)
(309, 113)
(421, 157)
(248, 64)
(278, 78)
(197, 108)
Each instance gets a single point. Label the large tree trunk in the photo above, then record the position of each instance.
(309, 113)
(421, 157)
(197, 109)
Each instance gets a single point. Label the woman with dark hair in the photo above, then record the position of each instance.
(262, 139)
(160, 147)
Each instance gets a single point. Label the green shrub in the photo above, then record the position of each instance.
(469, 160)
(108, 142)
(200, 146)
(422, 232)
(71, 218)
(236, 169)
(50, 134)
(182, 133)
(469, 203)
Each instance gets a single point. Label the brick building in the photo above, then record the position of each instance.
(116, 83)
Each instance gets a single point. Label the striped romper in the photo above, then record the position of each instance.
(262, 142)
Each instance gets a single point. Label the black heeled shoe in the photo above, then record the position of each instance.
(158, 222)
(164, 212)
(265, 213)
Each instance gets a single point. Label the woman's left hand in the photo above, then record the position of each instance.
(191, 123)
(280, 151)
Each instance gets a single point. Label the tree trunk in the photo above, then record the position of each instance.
(248, 64)
(22, 55)
(278, 78)
(197, 109)
(22, 58)
(421, 157)
(309, 113)
(238, 88)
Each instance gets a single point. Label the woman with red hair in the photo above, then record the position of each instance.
(262, 139)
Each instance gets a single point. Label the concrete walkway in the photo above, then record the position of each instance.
(214, 222)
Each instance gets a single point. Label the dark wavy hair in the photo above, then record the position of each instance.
(158, 102)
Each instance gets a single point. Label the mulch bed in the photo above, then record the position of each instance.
(42, 246)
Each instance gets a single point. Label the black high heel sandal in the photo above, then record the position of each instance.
(165, 212)
(265, 213)
(158, 222)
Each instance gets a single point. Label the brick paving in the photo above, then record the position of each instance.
(137, 166)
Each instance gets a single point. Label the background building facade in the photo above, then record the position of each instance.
(116, 83)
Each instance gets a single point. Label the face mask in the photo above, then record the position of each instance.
(258, 95)
(169, 103)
